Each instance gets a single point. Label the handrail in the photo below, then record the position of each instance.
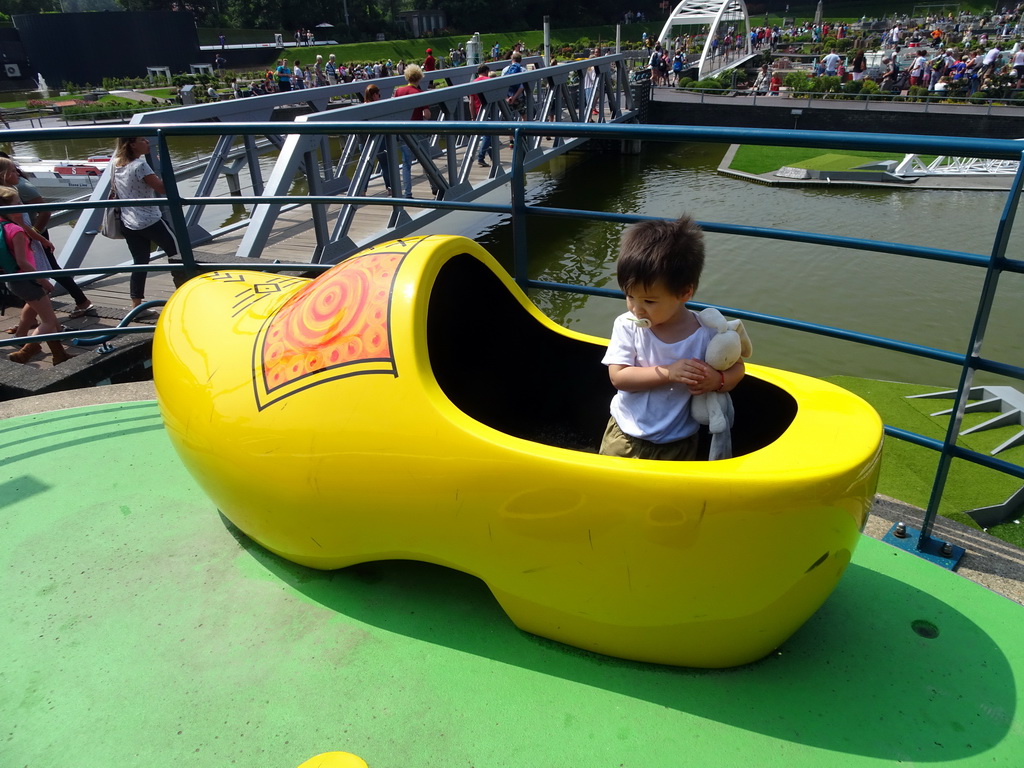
(994, 262)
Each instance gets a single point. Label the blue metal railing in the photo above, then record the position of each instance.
(994, 262)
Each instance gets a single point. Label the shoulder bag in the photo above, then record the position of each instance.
(111, 226)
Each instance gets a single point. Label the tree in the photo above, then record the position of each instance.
(16, 7)
(206, 12)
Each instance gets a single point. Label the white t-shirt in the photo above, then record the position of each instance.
(662, 414)
(128, 183)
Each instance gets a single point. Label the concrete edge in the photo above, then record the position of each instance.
(75, 398)
(990, 562)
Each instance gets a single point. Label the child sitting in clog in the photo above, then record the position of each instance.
(656, 354)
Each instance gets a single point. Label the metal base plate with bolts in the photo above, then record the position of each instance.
(940, 552)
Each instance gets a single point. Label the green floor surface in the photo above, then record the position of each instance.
(143, 629)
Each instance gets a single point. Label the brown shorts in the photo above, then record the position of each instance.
(617, 443)
(26, 290)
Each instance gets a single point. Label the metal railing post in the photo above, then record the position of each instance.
(981, 318)
(174, 203)
(518, 199)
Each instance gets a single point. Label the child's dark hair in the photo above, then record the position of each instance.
(670, 252)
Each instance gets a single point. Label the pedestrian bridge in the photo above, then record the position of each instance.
(717, 16)
(342, 164)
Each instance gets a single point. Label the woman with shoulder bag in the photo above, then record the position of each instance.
(132, 178)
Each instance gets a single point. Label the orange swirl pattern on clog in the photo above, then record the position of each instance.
(339, 318)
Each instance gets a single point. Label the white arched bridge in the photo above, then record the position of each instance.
(718, 15)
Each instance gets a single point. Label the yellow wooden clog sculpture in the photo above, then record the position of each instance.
(411, 403)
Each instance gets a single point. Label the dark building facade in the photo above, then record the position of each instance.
(86, 47)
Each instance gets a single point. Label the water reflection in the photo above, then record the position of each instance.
(922, 302)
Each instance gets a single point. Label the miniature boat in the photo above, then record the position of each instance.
(60, 176)
(412, 403)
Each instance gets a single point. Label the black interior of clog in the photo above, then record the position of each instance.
(500, 366)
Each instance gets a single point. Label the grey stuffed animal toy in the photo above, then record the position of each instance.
(715, 408)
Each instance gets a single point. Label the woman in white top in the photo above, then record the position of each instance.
(143, 226)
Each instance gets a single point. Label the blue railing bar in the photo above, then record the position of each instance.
(107, 271)
(71, 335)
(941, 355)
(1003, 369)
(981, 459)
(295, 201)
(913, 437)
(981, 364)
(745, 230)
(882, 342)
(201, 266)
(1006, 149)
(951, 257)
(142, 308)
(989, 462)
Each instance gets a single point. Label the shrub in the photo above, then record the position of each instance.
(854, 86)
(868, 89)
(124, 83)
(726, 76)
(917, 93)
(203, 79)
(707, 84)
(798, 81)
(685, 82)
(110, 110)
(829, 84)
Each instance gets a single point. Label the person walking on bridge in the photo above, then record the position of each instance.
(483, 72)
(133, 179)
(413, 76)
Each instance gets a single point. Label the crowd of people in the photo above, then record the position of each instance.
(957, 54)
(296, 75)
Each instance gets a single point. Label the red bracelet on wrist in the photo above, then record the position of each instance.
(722, 385)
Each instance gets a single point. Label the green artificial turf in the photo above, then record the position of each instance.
(750, 158)
(908, 470)
(834, 161)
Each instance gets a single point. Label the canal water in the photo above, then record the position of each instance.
(913, 300)
(921, 302)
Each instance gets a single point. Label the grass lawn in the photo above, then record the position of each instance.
(907, 470)
(751, 158)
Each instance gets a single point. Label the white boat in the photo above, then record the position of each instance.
(58, 177)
